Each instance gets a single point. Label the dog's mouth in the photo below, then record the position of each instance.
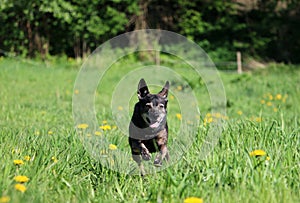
(153, 123)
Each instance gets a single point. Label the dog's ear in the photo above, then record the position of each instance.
(165, 90)
(142, 89)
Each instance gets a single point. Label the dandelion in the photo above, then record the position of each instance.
(278, 97)
(37, 132)
(98, 133)
(270, 97)
(275, 109)
(240, 113)
(268, 158)
(225, 117)
(50, 132)
(105, 127)
(76, 91)
(120, 108)
(269, 104)
(104, 122)
(54, 159)
(21, 179)
(20, 187)
(258, 152)
(18, 162)
(43, 112)
(208, 115)
(82, 126)
(26, 158)
(172, 97)
(284, 98)
(112, 147)
(114, 127)
(179, 87)
(4, 199)
(262, 101)
(178, 116)
(193, 200)
(217, 115)
(258, 119)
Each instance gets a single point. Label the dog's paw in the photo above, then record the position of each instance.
(157, 162)
(146, 155)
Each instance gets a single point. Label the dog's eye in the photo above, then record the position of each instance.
(161, 105)
(149, 105)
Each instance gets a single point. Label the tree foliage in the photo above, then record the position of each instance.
(265, 28)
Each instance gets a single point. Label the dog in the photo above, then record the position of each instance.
(148, 129)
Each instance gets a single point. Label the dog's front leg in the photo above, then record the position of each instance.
(145, 152)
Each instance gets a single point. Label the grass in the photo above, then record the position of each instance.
(36, 121)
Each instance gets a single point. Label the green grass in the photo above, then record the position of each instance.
(36, 120)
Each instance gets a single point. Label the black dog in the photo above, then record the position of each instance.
(148, 129)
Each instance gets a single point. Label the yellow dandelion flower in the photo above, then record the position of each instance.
(82, 126)
(217, 115)
(268, 158)
(105, 127)
(258, 119)
(20, 187)
(240, 113)
(275, 109)
(104, 122)
(114, 127)
(18, 162)
(76, 91)
(26, 158)
(4, 199)
(98, 133)
(120, 108)
(21, 179)
(172, 97)
(208, 115)
(193, 200)
(209, 120)
(284, 98)
(179, 116)
(269, 104)
(88, 134)
(179, 87)
(262, 101)
(112, 147)
(54, 159)
(258, 152)
(50, 132)
(278, 97)
(37, 132)
(270, 97)
(225, 117)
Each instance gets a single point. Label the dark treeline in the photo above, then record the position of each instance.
(267, 29)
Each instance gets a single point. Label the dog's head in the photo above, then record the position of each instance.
(153, 107)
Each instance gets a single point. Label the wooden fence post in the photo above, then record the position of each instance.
(239, 62)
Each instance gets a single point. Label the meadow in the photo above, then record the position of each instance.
(257, 158)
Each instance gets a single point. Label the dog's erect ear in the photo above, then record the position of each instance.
(142, 89)
(165, 90)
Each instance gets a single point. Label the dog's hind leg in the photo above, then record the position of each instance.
(163, 154)
(138, 160)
